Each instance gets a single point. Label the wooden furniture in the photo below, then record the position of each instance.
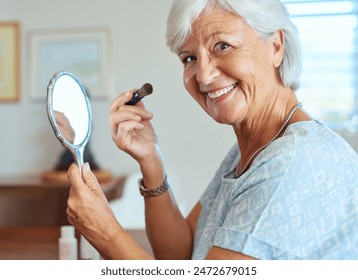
(41, 243)
(32, 201)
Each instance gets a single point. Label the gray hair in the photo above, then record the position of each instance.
(264, 16)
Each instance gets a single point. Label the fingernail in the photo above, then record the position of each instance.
(87, 166)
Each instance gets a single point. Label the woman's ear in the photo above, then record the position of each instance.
(278, 44)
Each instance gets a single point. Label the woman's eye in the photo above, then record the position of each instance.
(221, 46)
(188, 59)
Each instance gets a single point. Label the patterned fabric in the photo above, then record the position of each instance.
(298, 200)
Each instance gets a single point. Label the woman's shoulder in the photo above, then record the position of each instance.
(306, 149)
(311, 147)
(315, 135)
(312, 130)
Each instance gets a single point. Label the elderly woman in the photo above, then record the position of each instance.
(286, 190)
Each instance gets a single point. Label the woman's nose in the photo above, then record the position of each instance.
(206, 71)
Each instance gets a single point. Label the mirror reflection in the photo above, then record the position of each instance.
(69, 112)
(70, 109)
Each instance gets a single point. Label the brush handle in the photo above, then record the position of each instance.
(135, 99)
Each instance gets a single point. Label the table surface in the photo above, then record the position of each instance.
(41, 243)
(36, 181)
(32, 201)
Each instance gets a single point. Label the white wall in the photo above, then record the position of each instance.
(192, 144)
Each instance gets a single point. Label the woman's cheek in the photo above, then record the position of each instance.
(190, 82)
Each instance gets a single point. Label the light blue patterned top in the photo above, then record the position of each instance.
(298, 200)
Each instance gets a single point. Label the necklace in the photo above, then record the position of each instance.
(287, 120)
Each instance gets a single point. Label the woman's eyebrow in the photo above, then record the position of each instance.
(182, 52)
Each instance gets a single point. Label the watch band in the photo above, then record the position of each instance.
(153, 192)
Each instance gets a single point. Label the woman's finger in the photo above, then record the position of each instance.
(90, 179)
(123, 129)
(122, 116)
(74, 176)
(121, 100)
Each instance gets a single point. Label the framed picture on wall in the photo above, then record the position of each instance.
(9, 62)
(83, 52)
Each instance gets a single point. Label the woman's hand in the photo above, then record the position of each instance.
(88, 209)
(131, 129)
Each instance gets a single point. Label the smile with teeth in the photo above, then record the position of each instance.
(221, 92)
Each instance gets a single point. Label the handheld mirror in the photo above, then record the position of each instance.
(69, 112)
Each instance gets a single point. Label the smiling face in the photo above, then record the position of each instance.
(228, 69)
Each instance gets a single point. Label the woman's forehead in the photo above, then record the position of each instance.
(216, 18)
(211, 23)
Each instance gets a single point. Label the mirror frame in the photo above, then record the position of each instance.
(78, 149)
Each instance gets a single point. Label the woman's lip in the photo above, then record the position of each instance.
(221, 97)
(219, 93)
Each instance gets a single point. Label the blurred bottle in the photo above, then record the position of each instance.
(67, 244)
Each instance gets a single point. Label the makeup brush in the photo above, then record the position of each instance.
(145, 90)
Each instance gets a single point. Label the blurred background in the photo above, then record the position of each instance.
(135, 52)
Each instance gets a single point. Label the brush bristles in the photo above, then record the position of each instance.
(145, 90)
